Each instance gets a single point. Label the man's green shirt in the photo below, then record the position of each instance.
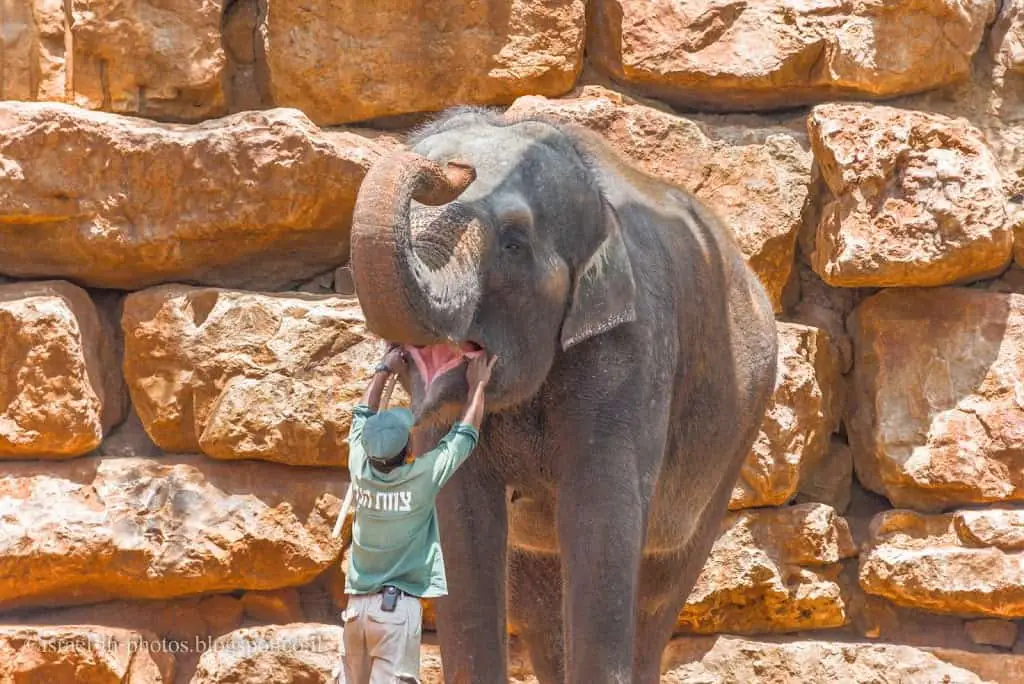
(395, 535)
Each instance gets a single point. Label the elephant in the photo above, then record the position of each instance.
(636, 355)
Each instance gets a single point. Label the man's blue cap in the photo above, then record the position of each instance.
(386, 433)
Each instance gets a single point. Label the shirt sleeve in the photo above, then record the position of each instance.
(453, 451)
(355, 434)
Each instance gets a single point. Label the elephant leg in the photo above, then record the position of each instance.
(471, 619)
(601, 514)
(535, 605)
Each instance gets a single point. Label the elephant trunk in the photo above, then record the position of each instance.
(424, 290)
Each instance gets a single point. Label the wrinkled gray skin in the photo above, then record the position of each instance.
(637, 354)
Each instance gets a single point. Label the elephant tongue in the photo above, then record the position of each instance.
(435, 360)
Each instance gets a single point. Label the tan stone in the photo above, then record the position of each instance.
(756, 180)
(279, 606)
(825, 307)
(721, 54)
(1006, 38)
(924, 561)
(992, 632)
(804, 410)
(33, 63)
(998, 527)
(829, 480)
(260, 200)
(304, 653)
(732, 660)
(98, 528)
(935, 416)
(82, 653)
(60, 382)
(153, 58)
(915, 199)
(242, 375)
(772, 570)
(345, 61)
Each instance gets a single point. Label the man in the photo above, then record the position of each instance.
(396, 552)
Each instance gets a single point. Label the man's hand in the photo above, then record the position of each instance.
(479, 371)
(395, 359)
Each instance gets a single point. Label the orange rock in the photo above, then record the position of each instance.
(99, 528)
(34, 64)
(724, 55)
(242, 375)
(83, 653)
(916, 199)
(772, 570)
(804, 410)
(935, 418)
(829, 480)
(756, 181)
(345, 61)
(258, 199)
(279, 606)
(732, 660)
(1006, 39)
(928, 562)
(60, 381)
(283, 654)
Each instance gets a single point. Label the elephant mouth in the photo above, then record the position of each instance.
(433, 361)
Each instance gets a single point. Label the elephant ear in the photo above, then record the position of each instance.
(604, 294)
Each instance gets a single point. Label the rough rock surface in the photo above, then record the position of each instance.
(915, 199)
(730, 660)
(60, 381)
(722, 54)
(829, 480)
(935, 412)
(1001, 633)
(82, 653)
(303, 653)
(33, 62)
(153, 58)
(341, 62)
(258, 199)
(242, 375)
(934, 563)
(772, 570)
(1006, 39)
(757, 180)
(99, 528)
(803, 412)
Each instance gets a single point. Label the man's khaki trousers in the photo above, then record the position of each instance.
(382, 647)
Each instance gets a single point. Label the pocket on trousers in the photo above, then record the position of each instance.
(385, 618)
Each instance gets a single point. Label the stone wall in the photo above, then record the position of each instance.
(179, 347)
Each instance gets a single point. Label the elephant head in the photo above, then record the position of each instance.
(489, 235)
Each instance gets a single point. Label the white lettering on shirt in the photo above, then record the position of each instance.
(382, 501)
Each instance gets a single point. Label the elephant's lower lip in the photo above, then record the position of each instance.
(433, 361)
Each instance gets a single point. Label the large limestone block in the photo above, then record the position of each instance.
(155, 58)
(60, 382)
(804, 410)
(935, 415)
(98, 528)
(300, 653)
(772, 570)
(83, 653)
(938, 563)
(1006, 39)
(915, 199)
(344, 60)
(732, 660)
(33, 61)
(756, 180)
(241, 375)
(721, 54)
(258, 199)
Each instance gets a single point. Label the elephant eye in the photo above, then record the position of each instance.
(513, 242)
